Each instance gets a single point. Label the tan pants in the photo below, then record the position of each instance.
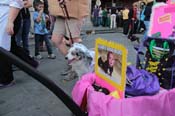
(62, 29)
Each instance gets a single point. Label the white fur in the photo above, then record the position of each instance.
(81, 59)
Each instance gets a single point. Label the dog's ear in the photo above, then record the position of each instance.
(89, 57)
(80, 54)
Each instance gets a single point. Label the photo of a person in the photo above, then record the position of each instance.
(107, 66)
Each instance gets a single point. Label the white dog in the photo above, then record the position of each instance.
(81, 59)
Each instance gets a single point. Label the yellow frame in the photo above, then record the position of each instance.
(116, 46)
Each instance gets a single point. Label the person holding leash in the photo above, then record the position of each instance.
(77, 10)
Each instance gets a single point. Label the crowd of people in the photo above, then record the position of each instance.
(131, 18)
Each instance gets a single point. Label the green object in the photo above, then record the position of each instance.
(158, 34)
(156, 52)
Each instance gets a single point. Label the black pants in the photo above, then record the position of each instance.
(37, 43)
(133, 27)
(125, 26)
(6, 73)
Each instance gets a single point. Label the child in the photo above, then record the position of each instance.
(40, 30)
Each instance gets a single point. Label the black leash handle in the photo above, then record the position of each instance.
(73, 107)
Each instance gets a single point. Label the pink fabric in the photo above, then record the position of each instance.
(102, 83)
(160, 11)
(81, 86)
(158, 105)
(102, 105)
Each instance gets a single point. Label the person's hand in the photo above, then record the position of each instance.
(62, 1)
(47, 18)
(41, 11)
(27, 3)
(9, 28)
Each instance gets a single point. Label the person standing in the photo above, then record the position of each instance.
(77, 10)
(132, 20)
(113, 18)
(9, 10)
(41, 31)
(147, 14)
(46, 11)
(95, 16)
(104, 16)
(125, 17)
(100, 20)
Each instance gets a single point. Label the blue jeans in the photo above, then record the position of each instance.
(141, 47)
(95, 21)
(99, 21)
(147, 23)
(37, 43)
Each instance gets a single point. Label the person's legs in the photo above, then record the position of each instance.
(141, 46)
(25, 33)
(18, 36)
(111, 21)
(125, 27)
(49, 47)
(58, 39)
(48, 44)
(75, 29)
(61, 30)
(58, 35)
(131, 22)
(114, 20)
(37, 37)
(6, 74)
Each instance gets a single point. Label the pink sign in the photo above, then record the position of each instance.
(171, 1)
(163, 20)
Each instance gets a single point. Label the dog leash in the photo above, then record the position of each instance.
(66, 15)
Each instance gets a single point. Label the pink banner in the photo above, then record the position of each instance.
(163, 21)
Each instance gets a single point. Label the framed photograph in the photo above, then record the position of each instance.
(110, 63)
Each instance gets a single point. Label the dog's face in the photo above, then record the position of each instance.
(77, 53)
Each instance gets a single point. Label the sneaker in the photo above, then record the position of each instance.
(71, 76)
(38, 57)
(31, 56)
(66, 71)
(124, 35)
(7, 85)
(15, 68)
(51, 56)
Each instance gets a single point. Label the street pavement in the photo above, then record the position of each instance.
(29, 98)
